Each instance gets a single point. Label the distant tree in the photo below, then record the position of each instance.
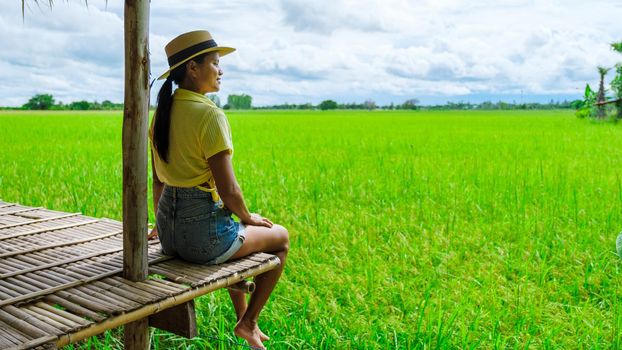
(410, 104)
(600, 96)
(576, 104)
(369, 104)
(40, 102)
(328, 104)
(239, 101)
(80, 105)
(214, 99)
(106, 104)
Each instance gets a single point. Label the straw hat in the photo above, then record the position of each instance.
(190, 45)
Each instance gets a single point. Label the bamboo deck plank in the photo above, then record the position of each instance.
(34, 293)
(2, 228)
(25, 323)
(42, 230)
(6, 340)
(105, 296)
(172, 276)
(75, 308)
(119, 284)
(49, 246)
(85, 301)
(142, 287)
(56, 326)
(17, 211)
(42, 343)
(66, 322)
(11, 334)
(65, 315)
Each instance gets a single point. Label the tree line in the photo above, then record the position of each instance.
(244, 102)
(47, 102)
(413, 104)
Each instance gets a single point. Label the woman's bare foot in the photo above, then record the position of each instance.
(250, 333)
(262, 336)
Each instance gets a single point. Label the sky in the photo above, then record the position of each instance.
(298, 51)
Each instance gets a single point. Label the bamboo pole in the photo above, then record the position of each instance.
(608, 102)
(244, 286)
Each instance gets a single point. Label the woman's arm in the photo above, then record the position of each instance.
(157, 187)
(229, 190)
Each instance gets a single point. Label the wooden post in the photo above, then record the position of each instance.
(135, 118)
(180, 320)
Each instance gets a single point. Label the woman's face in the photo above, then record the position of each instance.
(208, 74)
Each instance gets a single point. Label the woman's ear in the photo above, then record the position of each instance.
(191, 67)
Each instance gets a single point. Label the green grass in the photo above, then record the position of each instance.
(408, 229)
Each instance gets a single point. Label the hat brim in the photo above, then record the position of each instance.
(222, 50)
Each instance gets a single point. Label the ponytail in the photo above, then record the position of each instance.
(162, 121)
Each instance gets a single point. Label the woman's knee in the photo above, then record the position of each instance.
(283, 236)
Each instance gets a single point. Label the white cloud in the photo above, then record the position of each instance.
(298, 51)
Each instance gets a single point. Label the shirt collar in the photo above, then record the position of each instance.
(183, 94)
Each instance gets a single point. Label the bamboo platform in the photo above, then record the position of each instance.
(60, 278)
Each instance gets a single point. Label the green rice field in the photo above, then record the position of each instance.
(409, 229)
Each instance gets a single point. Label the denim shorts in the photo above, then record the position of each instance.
(195, 228)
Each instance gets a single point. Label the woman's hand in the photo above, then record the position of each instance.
(257, 220)
(153, 234)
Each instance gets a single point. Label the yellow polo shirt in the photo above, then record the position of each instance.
(199, 130)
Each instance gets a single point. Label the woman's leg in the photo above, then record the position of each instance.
(238, 298)
(274, 240)
(239, 302)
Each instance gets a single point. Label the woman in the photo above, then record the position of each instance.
(194, 187)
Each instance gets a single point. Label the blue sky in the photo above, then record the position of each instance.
(307, 51)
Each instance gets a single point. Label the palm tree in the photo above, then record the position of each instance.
(600, 97)
(616, 83)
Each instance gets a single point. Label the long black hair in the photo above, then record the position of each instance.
(162, 121)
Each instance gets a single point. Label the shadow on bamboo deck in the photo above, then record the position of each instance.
(60, 280)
